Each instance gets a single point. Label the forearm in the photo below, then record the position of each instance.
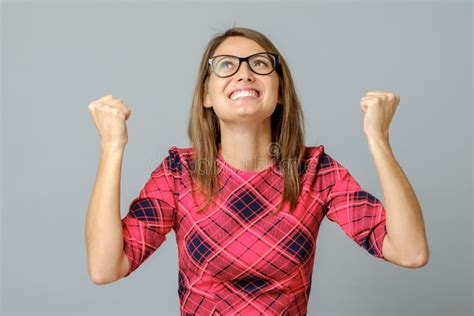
(404, 218)
(104, 237)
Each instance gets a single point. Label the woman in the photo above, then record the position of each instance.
(246, 200)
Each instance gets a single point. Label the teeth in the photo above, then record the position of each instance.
(244, 93)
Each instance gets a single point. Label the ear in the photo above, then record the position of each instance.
(206, 100)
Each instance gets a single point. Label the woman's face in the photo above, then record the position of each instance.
(246, 108)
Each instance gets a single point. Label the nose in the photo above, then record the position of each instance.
(244, 72)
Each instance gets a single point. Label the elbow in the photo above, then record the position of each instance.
(100, 278)
(97, 278)
(420, 261)
(102, 275)
(410, 258)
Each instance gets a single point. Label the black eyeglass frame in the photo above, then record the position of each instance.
(246, 59)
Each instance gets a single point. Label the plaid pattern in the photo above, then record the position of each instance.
(238, 258)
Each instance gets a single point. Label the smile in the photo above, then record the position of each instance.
(244, 94)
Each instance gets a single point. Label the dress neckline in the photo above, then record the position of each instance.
(241, 171)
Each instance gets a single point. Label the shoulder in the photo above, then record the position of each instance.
(332, 170)
(177, 160)
(322, 164)
(320, 155)
(313, 157)
(313, 153)
(184, 152)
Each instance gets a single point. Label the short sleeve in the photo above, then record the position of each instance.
(361, 215)
(152, 214)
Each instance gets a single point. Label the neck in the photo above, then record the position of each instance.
(247, 147)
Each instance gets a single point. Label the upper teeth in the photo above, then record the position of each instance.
(244, 93)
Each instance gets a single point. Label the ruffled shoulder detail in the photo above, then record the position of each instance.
(314, 152)
(179, 158)
(311, 158)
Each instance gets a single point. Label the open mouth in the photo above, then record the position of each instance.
(244, 95)
(246, 98)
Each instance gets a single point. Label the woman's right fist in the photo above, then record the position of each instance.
(109, 114)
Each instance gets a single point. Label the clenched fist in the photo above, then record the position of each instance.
(109, 114)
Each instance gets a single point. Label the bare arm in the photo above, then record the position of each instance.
(406, 243)
(106, 259)
(104, 237)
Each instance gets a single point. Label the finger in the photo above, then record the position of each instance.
(128, 113)
(114, 109)
(118, 108)
(112, 102)
(106, 97)
(368, 100)
(119, 104)
(115, 100)
(376, 92)
(369, 103)
(104, 105)
(397, 98)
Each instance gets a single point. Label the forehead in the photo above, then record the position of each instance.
(238, 46)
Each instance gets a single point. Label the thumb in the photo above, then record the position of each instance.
(127, 114)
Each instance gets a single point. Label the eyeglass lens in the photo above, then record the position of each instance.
(227, 65)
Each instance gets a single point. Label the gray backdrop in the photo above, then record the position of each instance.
(59, 56)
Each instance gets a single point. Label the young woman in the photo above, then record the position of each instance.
(246, 200)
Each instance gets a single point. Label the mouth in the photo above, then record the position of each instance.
(244, 94)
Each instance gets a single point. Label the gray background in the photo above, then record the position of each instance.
(58, 57)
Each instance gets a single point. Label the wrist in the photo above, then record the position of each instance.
(109, 149)
(379, 144)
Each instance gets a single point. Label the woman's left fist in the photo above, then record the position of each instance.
(379, 108)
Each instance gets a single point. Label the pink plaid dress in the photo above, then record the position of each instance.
(238, 258)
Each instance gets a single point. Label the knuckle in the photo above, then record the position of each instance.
(107, 96)
(105, 106)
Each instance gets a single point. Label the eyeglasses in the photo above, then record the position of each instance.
(227, 65)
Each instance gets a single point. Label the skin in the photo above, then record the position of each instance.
(405, 243)
(246, 136)
(245, 123)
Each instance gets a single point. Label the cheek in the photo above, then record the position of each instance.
(217, 91)
(273, 90)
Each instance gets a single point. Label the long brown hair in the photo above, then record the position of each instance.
(287, 125)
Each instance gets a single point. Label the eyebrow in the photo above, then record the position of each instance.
(236, 55)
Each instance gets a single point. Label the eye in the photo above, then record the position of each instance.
(225, 64)
(261, 63)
